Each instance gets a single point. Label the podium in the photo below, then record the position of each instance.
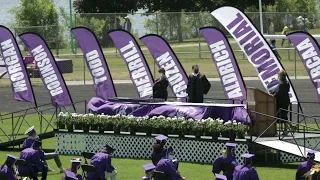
(263, 103)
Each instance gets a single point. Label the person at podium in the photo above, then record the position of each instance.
(227, 162)
(306, 166)
(198, 85)
(281, 93)
(246, 171)
(160, 86)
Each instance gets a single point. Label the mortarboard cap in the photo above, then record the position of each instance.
(70, 175)
(148, 167)
(109, 148)
(231, 145)
(11, 159)
(30, 131)
(36, 143)
(247, 155)
(161, 138)
(311, 153)
(220, 177)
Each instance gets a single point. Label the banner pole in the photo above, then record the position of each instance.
(261, 18)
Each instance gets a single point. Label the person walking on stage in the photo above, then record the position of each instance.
(32, 136)
(306, 166)
(281, 93)
(245, 172)
(160, 86)
(227, 162)
(198, 85)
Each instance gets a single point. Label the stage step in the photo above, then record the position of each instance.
(16, 142)
(288, 148)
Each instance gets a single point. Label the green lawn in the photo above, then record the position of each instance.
(131, 169)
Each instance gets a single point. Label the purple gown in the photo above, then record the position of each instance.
(78, 175)
(245, 172)
(27, 143)
(226, 165)
(102, 163)
(167, 167)
(9, 172)
(303, 168)
(32, 158)
(157, 155)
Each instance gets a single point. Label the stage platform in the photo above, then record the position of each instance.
(198, 111)
(289, 148)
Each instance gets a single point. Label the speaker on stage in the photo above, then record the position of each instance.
(261, 102)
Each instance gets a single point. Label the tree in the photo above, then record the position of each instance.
(39, 16)
(105, 6)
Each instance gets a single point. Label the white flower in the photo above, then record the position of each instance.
(234, 121)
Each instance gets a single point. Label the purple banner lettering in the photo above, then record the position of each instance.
(166, 58)
(96, 62)
(254, 46)
(132, 55)
(49, 72)
(309, 52)
(13, 60)
(226, 64)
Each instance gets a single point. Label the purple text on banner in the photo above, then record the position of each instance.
(132, 55)
(164, 57)
(254, 45)
(226, 63)
(309, 52)
(96, 62)
(49, 72)
(20, 82)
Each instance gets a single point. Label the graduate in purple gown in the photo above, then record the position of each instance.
(170, 155)
(306, 166)
(158, 149)
(32, 135)
(245, 172)
(8, 168)
(227, 162)
(75, 166)
(168, 168)
(220, 177)
(102, 162)
(32, 158)
(69, 175)
(149, 168)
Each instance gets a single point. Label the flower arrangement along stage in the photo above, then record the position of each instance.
(154, 125)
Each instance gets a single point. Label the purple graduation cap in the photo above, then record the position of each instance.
(70, 175)
(11, 159)
(161, 139)
(109, 148)
(75, 163)
(30, 131)
(231, 145)
(220, 177)
(36, 143)
(149, 168)
(311, 153)
(247, 158)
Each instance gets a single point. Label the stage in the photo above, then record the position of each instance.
(196, 111)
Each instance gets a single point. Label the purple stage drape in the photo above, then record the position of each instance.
(186, 110)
